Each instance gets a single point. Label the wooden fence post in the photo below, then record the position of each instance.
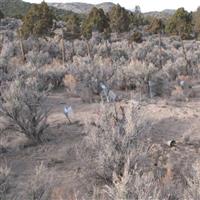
(21, 46)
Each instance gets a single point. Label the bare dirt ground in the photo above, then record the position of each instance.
(170, 121)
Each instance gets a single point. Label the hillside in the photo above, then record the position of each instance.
(162, 14)
(13, 8)
(82, 8)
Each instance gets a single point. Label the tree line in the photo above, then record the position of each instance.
(39, 20)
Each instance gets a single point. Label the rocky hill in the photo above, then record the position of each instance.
(162, 14)
(18, 8)
(82, 8)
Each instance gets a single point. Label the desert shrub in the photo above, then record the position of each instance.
(70, 84)
(7, 50)
(111, 147)
(104, 50)
(3, 65)
(51, 78)
(40, 184)
(89, 73)
(4, 181)
(80, 48)
(24, 107)
(38, 59)
(136, 37)
(192, 191)
(176, 44)
(134, 75)
(54, 50)
(118, 55)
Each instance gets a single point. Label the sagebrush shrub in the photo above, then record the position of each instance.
(110, 148)
(24, 107)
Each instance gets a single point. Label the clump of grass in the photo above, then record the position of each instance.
(40, 184)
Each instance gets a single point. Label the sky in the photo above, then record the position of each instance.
(146, 5)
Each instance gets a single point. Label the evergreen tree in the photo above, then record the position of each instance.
(37, 21)
(95, 21)
(73, 24)
(196, 21)
(180, 24)
(119, 19)
(1, 15)
(136, 17)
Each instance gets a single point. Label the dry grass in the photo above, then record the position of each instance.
(40, 184)
(4, 180)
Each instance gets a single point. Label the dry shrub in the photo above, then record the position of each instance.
(183, 90)
(192, 191)
(136, 37)
(111, 150)
(24, 107)
(177, 94)
(51, 77)
(70, 83)
(89, 74)
(134, 75)
(40, 184)
(4, 180)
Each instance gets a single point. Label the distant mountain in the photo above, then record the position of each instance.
(162, 14)
(82, 8)
(14, 7)
(18, 8)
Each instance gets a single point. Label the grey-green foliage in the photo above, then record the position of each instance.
(24, 107)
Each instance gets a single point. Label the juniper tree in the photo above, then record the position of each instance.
(37, 21)
(1, 15)
(119, 19)
(180, 24)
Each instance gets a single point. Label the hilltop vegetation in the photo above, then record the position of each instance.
(14, 8)
(18, 8)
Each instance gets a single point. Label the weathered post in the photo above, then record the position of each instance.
(21, 46)
(63, 47)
